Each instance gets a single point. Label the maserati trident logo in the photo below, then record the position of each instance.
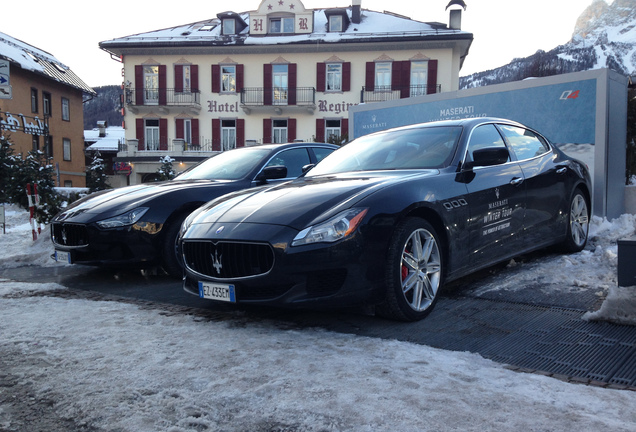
(497, 192)
(64, 235)
(216, 261)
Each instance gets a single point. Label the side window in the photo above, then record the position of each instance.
(321, 153)
(293, 159)
(526, 144)
(482, 137)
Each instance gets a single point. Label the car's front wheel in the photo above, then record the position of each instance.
(170, 254)
(414, 271)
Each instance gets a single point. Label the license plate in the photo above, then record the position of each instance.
(220, 292)
(63, 257)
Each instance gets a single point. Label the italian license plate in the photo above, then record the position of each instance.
(220, 292)
(63, 257)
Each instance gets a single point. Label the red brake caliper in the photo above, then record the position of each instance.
(405, 271)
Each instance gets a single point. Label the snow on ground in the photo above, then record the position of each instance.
(117, 367)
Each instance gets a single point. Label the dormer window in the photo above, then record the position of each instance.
(335, 23)
(281, 25)
(229, 26)
(337, 20)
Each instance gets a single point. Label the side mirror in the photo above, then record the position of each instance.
(272, 173)
(490, 156)
(308, 167)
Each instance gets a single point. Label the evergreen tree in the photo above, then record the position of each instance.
(96, 178)
(166, 171)
(8, 167)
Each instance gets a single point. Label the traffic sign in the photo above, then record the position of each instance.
(5, 92)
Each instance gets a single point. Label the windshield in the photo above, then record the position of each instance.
(230, 165)
(421, 148)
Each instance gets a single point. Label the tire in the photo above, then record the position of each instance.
(414, 271)
(171, 261)
(578, 223)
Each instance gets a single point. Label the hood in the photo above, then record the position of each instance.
(301, 202)
(117, 201)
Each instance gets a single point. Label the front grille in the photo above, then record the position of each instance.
(69, 235)
(225, 260)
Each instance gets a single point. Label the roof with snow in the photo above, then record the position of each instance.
(110, 142)
(373, 27)
(41, 62)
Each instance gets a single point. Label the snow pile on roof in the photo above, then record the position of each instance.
(36, 60)
(115, 135)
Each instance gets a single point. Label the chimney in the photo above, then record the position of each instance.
(101, 125)
(356, 5)
(455, 22)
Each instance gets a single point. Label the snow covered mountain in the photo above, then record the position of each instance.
(604, 37)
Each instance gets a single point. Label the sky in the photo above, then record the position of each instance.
(117, 366)
(71, 30)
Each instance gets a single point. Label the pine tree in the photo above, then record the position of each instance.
(8, 168)
(96, 178)
(166, 171)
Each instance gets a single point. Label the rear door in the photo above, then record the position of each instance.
(496, 196)
(547, 198)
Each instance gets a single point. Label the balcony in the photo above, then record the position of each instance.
(387, 93)
(278, 99)
(143, 99)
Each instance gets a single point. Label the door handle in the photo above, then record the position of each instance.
(562, 170)
(516, 181)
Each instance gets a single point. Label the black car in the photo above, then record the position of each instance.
(137, 226)
(390, 217)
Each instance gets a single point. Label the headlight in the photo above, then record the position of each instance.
(334, 229)
(125, 219)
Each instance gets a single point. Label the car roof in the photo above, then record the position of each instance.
(290, 145)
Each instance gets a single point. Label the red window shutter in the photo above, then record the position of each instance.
(178, 78)
(163, 134)
(267, 85)
(162, 85)
(216, 135)
(346, 77)
(139, 85)
(195, 131)
(194, 78)
(396, 75)
(240, 132)
(369, 82)
(180, 129)
(344, 127)
(405, 79)
(320, 130)
(267, 131)
(292, 77)
(141, 134)
(216, 79)
(432, 76)
(291, 130)
(321, 72)
(240, 72)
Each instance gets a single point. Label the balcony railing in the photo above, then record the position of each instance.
(205, 145)
(277, 96)
(162, 97)
(386, 93)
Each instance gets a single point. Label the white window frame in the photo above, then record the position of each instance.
(279, 132)
(228, 78)
(151, 134)
(151, 85)
(419, 78)
(187, 78)
(281, 25)
(46, 103)
(229, 26)
(333, 77)
(331, 129)
(336, 23)
(66, 109)
(280, 84)
(228, 134)
(66, 149)
(383, 76)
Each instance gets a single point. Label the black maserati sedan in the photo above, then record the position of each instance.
(389, 218)
(137, 226)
